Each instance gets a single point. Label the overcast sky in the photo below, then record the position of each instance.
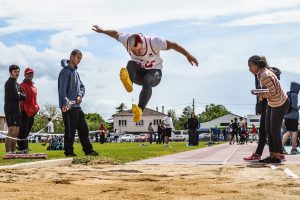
(221, 34)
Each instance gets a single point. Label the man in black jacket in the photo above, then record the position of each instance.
(192, 126)
(13, 96)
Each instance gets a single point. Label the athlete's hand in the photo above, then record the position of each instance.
(64, 109)
(192, 60)
(79, 100)
(97, 29)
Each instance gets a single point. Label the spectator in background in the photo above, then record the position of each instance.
(169, 127)
(241, 129)
(216, 132)
(224, 134)
(29, 109)
(71, 87)
(50, 126)
(192, 126)
(13, 94)
(151, 132)
(161, 129)
(116, 135)
(102, 131)
(235, 129)
(253, 133)
(291, 119)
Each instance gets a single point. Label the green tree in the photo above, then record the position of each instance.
(121, 107)
(41, 119)
(212, 111)
(186, 114)
(94, 120)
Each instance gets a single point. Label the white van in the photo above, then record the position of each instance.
(181, 135)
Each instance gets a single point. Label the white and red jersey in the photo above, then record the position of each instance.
(151, 46)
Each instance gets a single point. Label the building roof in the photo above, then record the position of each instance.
(226, 117)
(146, 112)
(229, 115)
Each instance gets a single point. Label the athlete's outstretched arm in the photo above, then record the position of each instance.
(180, 49)
(111, 33)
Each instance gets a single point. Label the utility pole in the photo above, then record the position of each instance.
(193, 105)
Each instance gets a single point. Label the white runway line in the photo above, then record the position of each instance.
(290, 173)
(287, 171)
(229, 156)
(273, 167)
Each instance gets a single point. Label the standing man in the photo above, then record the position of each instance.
(71, 87)
(102, 131)
(216, 132)
(235, 128)
(192, 126)
(169, 126)
(160, 132)
(12, 96)
(291, 119)
(50, 126)
(145, 65)
(151, 132)
(29, 109)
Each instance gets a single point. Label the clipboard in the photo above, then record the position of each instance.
(259, 91)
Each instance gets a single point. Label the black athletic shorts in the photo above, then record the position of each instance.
(168, 132)
(291, 124)
(13, 119)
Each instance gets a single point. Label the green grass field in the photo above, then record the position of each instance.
(116, 152)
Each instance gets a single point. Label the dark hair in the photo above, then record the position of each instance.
(49, 119)
(134, 40)
(260, 61)
(276, 71)
(13, 67)
(75, 52)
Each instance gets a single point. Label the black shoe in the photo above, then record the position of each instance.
(265, 160)
(92, 153)
(270, 160)
(70, 154)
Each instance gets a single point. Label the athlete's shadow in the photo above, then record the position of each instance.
(261, 165)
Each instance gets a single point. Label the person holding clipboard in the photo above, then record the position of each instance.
(277, 107)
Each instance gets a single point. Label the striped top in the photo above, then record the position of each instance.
(276, 96)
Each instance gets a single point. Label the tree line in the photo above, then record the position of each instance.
(93, 120)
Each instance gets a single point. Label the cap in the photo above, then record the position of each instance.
(29, 70)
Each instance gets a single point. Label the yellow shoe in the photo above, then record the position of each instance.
(137, 113)
(124, 76)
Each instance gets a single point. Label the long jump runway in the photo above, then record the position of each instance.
(217, 155)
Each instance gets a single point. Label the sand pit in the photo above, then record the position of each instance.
(107, 181)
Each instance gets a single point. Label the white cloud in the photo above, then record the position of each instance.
(64, 41)
(79, 15)
(280, 17)
(220, 56)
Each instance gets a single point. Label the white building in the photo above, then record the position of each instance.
(123, 121)
(253, 119)
(220, 122)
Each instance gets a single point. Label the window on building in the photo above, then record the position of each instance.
(122, 123)
(224, 124)
(254, 120)
(140, 123)
(156, 121)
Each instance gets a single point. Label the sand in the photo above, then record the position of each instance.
(99, 180)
